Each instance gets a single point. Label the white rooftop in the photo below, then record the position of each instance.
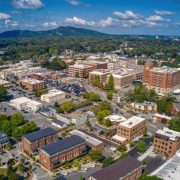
(169, 170)
(162, 116)
(116, 118)
(169, 133)
(31, 81)
(119, 138)
(100, 72)
(81, 66)
(177, 91)
(53, 92)
(88, 138)
(165, 69)
(133, 121)
(23, 100)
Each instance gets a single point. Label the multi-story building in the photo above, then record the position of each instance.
(161, 118)
(61, 151)
(32, 141)
(91, 142)
(128, 168)
(53, 95)
(94, 64)
(130, 129)
(79, 70)
(31, 84)
(26, 104)
(99, 73)
(122, 80)
(162, 80)
(144, 107)
(166, 142)
(3, 140)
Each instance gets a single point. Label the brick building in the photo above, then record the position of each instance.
(162, 80)
(32, 141)
(31, 84)
(166, 142)
(161, 118)
(61, 151)
(128, 168)
(129, 129)
(79, 70)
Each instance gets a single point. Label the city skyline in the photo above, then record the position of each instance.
(113, 17)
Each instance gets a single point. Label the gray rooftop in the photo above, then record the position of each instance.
(42, 133)
(62, 145)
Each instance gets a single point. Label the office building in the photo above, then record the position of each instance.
(4, 140)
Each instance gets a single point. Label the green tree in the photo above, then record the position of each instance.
(108, 122)
(102, 114)
(107, 161)
(17, 119)
(56, 105)
(21, 167)
(175, 124)
(110, 83)
(146, 177)
(95, 155)
(109, 95)
(3, 93)
(94, 97)
(141, 146)
(122, 148)
(59, 110)
(67, 106)
(123, 155)
(145, 131)
(76, 164)
(3, 117)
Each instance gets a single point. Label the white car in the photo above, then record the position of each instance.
(64, 173)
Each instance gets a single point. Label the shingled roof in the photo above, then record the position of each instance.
(42, 133)
(117, 170)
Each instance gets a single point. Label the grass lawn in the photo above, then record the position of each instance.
(3, 171)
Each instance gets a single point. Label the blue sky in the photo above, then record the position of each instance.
(156, 17)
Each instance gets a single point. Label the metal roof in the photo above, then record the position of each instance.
(62, 145)
(34, 136)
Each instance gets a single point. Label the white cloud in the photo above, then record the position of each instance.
(50, 24)
(28, 4)
(4, 16)
(73, 2)
(106, 22)
(127, 15)
(155, 18)
(163, 12)
(9, 23)
(79, 21)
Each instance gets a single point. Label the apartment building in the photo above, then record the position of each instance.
(122, 80)
(162, 80)
(129, 129)
(26, 104)
(32, 141)
(61, 151)
(31, 84)
(94, 64)
(161, 118)
(144, 107)
(4, 140)
(53, 96)
(79, 70)
(166, 142)
(128, 168)
(100, 73)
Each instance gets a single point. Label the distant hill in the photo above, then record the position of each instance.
(63, 31)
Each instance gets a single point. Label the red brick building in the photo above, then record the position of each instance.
(32, 141)
(162, 80)
(61, 151)
(31, 84)
(128, 168)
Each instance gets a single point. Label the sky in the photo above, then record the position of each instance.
(145, 17)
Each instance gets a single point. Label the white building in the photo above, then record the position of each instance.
(116, 119)
(53, 95)
(26, 104)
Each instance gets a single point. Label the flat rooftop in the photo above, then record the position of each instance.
(31, 81)
(42, 133)
(169, 170)
(80, 66)
(23, 100)
(93, 62)
(53, 92)
(162, 116)
(100, 72)
(165, 69)
(86, 137)
(172, 135)
(133, 121)
(116, 118)
(62, 145)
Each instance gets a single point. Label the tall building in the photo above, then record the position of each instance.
(130, 129)
(166, 142)
(161, 79)
(79, 70)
